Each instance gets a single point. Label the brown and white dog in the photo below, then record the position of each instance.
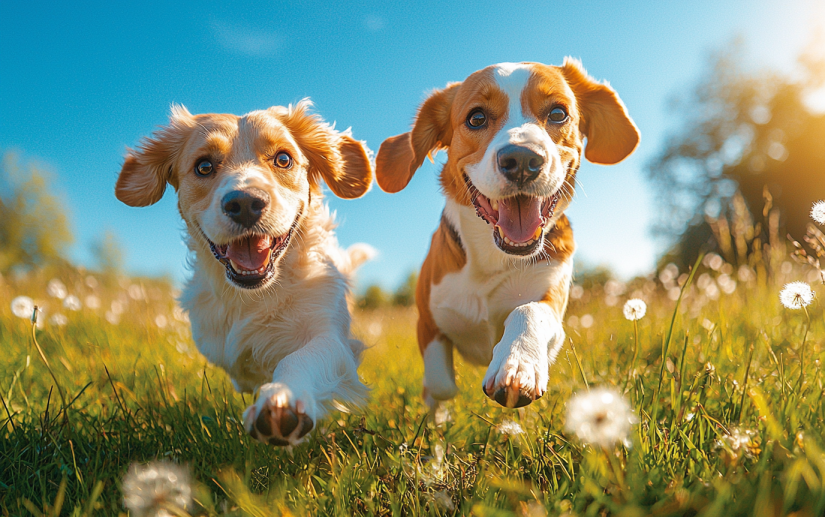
(268, 296)
(495, 282)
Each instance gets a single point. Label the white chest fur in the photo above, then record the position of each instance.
(470, 306)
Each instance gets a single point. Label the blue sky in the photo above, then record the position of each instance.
(81, 81)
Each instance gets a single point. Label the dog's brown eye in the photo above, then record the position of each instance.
(283, 160)
(557, 115)
(204, 168)
(476, 119)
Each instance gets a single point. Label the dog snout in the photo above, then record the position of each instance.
(245, 206)
(519, 164)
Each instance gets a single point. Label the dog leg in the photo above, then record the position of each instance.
(519, 371)
(439, 374)
(303, 386)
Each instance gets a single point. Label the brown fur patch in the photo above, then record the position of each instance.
(445, 256)
(611, 133)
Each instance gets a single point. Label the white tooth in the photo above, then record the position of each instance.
(234, 266)
(494, 204)
(508, 241)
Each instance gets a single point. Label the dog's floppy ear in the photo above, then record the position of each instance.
(401, 155)
(611, 133)
(148, 168)
(339, 159)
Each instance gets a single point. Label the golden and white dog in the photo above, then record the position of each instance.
(495, 282)
(268, 295)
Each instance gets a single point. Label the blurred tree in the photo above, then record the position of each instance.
(108, 252)
(404, 296)
(373, 298)
(742, 131)
(34, 226)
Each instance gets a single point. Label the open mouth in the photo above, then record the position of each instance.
(518, 222)
(250, 259)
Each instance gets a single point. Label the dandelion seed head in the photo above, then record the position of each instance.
(635, 309)
(796, 295)
(72, 303)
(600, 417)
(740, 442)
(149, 490)
(56, 289)
(510, 428)
(58, 319)
(22, 307)
(112, 318)
(818, 212)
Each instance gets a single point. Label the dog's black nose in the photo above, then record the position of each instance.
(244, 207)
(519, 164)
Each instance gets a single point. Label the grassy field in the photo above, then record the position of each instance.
(728, 424)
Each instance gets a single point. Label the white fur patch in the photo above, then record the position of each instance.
(439, 375)
(295, 334)
(470, 306)
(523, 129)
(533, 334)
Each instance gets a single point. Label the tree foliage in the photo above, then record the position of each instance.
(108, 252)
(34, 227)
(744, 135)
(375, 296)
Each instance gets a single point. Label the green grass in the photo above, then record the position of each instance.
(137, 392)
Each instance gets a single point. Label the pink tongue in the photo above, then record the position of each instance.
(519, 217)
(251, 252)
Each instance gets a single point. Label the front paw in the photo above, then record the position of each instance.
(278, 417)
(515, 381)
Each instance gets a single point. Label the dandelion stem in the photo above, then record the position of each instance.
(745, 386)
(802, 349)
(618, 474)
(632, 373)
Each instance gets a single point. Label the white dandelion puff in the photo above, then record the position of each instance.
(92, 302)
(818, 212)
(72, 303)
(635, 309)
(600, 417)
(22, 307)
(56, 289)
(158, 489)
(58, 319)
(740, 442)
(510, 428)
(117, 307)
(796, 295)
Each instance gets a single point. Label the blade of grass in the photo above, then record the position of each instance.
(666, 345)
